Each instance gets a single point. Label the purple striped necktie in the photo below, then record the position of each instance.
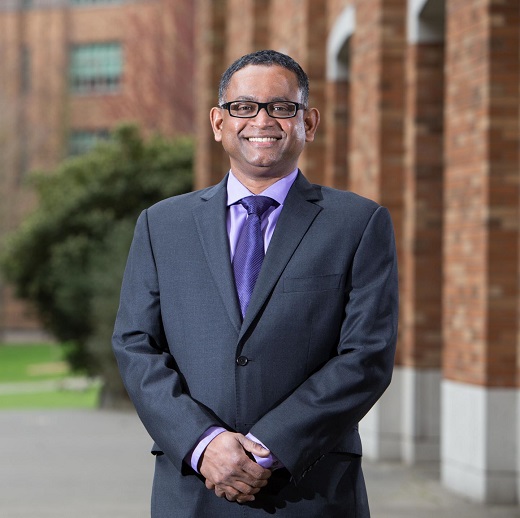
(249, 252)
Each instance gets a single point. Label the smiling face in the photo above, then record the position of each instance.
(263, 149)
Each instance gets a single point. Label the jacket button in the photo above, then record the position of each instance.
(242, 361)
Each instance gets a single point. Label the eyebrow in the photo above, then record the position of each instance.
(254, 99)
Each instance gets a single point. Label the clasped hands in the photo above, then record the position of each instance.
(228, 469)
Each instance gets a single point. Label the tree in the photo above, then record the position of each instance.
(68, 256)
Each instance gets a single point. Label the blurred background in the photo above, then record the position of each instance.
(104, 110)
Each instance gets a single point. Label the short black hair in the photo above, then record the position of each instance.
(266, 58)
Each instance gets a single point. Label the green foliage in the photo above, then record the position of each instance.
(67, 258)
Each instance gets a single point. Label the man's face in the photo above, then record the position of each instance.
(262, 147)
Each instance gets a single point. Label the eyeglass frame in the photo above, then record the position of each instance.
(227, 106)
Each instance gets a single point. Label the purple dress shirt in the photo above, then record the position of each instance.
(236, 217)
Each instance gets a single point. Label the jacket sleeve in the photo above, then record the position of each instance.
(146, 366)
(311, 421)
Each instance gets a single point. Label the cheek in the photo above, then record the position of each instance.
(298, 135)
(295, 128)
(229, 133)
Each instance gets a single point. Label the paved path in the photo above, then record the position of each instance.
(95, 464)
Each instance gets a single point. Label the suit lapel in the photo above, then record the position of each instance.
(210, 217)
(296, 217)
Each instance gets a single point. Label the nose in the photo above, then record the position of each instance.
(262, 117)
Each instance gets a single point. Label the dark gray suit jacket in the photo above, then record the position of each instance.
(314, 353)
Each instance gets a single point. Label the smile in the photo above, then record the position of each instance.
(262, 139)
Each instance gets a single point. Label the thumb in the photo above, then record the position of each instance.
(254, 447)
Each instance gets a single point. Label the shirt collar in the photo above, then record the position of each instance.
(278, 191)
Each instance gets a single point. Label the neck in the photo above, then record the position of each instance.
(257, 184)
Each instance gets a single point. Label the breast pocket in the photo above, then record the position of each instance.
(319, 283)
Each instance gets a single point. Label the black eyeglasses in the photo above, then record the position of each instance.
(250, 109)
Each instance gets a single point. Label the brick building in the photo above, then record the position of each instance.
(420, 111)
(70, 70)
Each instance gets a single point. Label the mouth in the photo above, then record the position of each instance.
(262, 139)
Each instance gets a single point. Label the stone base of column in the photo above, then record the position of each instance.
(421, 415)
(405, 423)
(480, 439)
(380, 429)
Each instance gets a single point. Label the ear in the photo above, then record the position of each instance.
(216, 118)
(311, 119)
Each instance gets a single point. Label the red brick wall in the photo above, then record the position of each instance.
(336, 126)
(366, 98)
(421, 263)
(481, 193)
(211, 162)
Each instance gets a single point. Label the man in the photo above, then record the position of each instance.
(251, 373)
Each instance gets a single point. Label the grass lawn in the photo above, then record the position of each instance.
(56, 399)
(34, 375)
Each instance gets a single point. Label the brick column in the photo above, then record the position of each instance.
(480, 434)
(377, 163)
(314, 63)
(211, 16)
(337, 130)
(242, 33)
(421, 263)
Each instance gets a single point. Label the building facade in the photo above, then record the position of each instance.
(420, 111)
(71, 70)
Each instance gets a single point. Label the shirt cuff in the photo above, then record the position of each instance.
(204, 440)
(269, 462)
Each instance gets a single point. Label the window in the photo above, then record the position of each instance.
(82, 141)
(95, 2)
(96, 68)
(25, 70)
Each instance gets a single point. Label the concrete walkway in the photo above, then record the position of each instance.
(95, 464)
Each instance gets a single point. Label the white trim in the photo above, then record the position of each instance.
(343, 29)
(421, 414)
(418, 31)
(380, 429)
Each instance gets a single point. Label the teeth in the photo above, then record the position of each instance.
(264, 139)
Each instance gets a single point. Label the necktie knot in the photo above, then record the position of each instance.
(257, 204)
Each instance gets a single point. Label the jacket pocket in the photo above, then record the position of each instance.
(319, 283)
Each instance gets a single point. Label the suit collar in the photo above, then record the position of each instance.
(210, 217)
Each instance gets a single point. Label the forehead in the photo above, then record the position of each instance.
(262, 83)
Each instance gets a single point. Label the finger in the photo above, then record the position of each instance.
(236, 496)
(231, 494)
(237, 489)
(257, 475)
(245, 489)
(253, 447)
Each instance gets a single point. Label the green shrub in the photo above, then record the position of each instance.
(68, 256)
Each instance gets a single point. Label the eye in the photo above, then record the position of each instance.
(243, 107)
(281, 108)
